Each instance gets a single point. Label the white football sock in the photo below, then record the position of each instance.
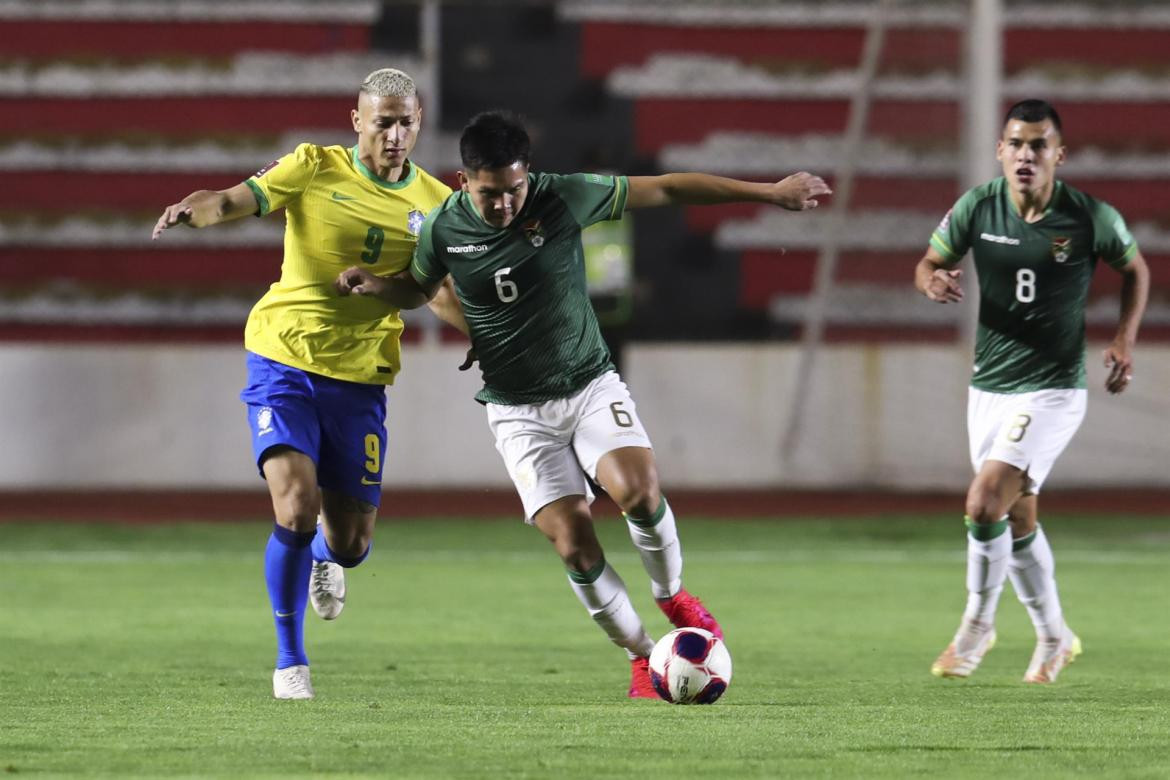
(987, 564)
(1032, 571)
(657, 543)
(604, 595)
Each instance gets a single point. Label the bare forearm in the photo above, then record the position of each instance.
(1135, 292)
(698, 189)
(446, 307)
(923, 273)
(401, 291)
(797, 192)
(208, 207)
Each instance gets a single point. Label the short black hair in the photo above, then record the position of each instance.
(493, 139)
(1034, 111)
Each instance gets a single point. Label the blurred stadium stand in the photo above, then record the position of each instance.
(758, 91)
(112, 109)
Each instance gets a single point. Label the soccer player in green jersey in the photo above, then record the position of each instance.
(318, 365)
(511, 241)
(1036, 242)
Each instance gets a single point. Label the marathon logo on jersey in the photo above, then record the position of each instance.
(533, 232)
(414, 221)
(1000, 239)
(265, 169)
(1061, 247)
(466, 249)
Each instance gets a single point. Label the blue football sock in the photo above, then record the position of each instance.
(321, 551)
(287, 563)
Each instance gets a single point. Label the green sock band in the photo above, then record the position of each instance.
(653, 520)
(588, 577)
(1023, 542)
(985, 533)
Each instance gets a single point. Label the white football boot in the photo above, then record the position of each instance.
(1051, 656)
(966, 650)
(327, 589)
(292, 682)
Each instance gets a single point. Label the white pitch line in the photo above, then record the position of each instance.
(42, 557)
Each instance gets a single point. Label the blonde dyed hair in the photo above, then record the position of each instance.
(389, 82)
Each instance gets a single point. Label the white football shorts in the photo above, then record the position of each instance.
(549, 447)
(1025, 430)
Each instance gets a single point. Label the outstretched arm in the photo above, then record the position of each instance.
(798, 192)
(937, 282)
(401, 291)
(1135, 291)
(208, 207)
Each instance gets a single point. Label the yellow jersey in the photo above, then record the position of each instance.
(338, 213)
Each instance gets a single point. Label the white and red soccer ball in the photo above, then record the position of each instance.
(690, 666)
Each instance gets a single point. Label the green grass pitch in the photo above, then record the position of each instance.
(462, 653)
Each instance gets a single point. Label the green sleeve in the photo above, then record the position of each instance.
(426, 267)
(591, 197)
(1112, 241)
(952, 237)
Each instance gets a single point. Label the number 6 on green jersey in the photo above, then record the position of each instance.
(505, 288)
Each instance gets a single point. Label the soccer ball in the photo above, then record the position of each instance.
(690, 666)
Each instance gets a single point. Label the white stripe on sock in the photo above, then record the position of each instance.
(1032, 571)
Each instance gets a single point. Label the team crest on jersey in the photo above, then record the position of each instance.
(1060, 248)
(264, 421)
(414, 221)
(533, 232)
(266, 169)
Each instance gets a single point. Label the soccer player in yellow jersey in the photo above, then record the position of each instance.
(318, 363)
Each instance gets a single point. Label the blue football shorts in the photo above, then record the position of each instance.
(340, 425)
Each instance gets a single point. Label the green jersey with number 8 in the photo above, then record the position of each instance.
(1033, 281)
(522, 286)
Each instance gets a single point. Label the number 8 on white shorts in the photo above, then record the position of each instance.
(1025, 430)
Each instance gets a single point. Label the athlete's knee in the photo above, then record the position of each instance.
(636, 492)
(292, 484)
(349, 524)
(576, 543)
(580, 558)
(297, 508)
(984, 505)
(351, 543)
(1022, 517)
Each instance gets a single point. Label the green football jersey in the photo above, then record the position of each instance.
(1033, 281)
(522, 287)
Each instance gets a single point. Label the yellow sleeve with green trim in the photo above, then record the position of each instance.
(283, 180)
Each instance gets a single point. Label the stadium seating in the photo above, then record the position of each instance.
(111, 110)
(761, 90)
